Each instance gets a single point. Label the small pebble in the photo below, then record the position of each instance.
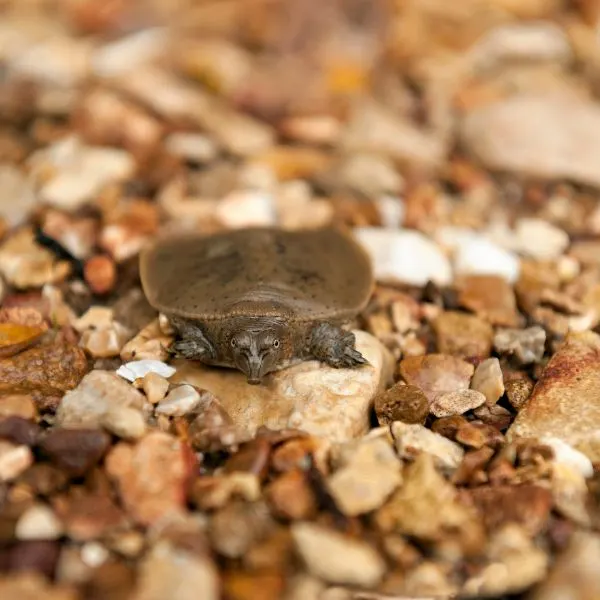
(140, 368)
(528, 345)
(155, 386)
(539, 239)
(406, 403)
(565, 454)
(411, 440)
(488, 380)
(14, 460)
(38, 523)
(180, 401)
(405, 255)
(337, 558)
(124, 422)
(456, 403)
(100, 273)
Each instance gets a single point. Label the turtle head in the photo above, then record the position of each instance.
(259, 349)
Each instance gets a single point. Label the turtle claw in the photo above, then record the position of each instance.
(335, 347)
(189, 348)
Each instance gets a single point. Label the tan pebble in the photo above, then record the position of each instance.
(456, 403)
(488, 380)
(155, 387)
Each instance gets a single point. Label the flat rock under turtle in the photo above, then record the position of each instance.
(257, 299)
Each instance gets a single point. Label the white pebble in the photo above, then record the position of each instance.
(405, 255)
(247, 209)
(137, 369)
(179, 401)
(539, 239)
(565, 454)
(38, 523)
(475, 254)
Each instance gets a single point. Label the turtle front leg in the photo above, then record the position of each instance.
(334, 346)
(193, 345)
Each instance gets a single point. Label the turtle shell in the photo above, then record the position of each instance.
(300, 275)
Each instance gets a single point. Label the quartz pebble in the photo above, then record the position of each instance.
(38, 523)
(181, 400)
(124, 422)
(447, 404)
(405, 255)
(539, 239)
(155, 386)
(476, 254)
(411, 440)
(98, 392)
(528, 345)
(336, 558)
(488, 380)
(565, 454)
(436, 373)
(140, 368)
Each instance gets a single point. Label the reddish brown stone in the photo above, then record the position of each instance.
(51, 368)
(527, 505)
(406, 403)
(75, 450)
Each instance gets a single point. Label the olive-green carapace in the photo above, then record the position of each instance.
(256, 299)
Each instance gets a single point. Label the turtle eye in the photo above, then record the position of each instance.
(276, 344)
(233, 342)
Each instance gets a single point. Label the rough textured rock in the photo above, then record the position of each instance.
(98, 393)
(548, 136)
(51, 369)
(303, 396)
(447, 404)
(564, 403)
(406, 403)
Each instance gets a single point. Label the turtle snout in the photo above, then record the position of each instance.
(253, 368)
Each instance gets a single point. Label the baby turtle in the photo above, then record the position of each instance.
(258, 299)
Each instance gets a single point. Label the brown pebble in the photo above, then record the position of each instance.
(470, 470)
(19, 431)
(491, 297)
(518, 391)
(463, 335)
(39, 556)
(253, 457)
(240, 585)
(448, 426)
(51, 369)
(401, 402)
(75, 450)
(476, 435)
(527, 505)
(291, 497)
(44, 479)
(100, 274)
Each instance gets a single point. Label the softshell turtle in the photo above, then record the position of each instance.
(258, 299)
